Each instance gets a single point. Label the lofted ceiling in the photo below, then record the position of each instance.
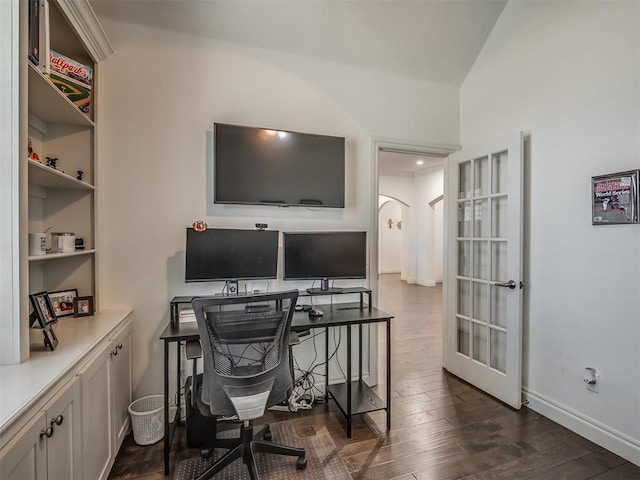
(434, 40)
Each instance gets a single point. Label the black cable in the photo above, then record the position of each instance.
(338, 359)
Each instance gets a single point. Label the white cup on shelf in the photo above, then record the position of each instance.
(37, 244)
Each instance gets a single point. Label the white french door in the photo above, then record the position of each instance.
(483, 313)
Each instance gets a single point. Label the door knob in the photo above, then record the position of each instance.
(510, 284)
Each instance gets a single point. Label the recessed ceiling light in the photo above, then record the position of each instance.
(419, 162)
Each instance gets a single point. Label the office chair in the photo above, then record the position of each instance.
(246, 369)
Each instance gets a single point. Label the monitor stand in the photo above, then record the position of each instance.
(324, 288)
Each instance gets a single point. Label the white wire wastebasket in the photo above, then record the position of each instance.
(147, 419)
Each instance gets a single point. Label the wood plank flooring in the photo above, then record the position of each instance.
(442, 428)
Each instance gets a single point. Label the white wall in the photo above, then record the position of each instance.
(567, 73)
(402, 189)
(162, 93)
(391, 244)
(419, 263)
(429, 186)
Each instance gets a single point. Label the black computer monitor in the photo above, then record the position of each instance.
(219, 254)
(325, 256)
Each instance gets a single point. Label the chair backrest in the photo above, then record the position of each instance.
(245, 351)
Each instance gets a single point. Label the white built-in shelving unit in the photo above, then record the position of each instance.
(55, 199)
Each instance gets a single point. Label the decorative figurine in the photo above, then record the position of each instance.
(51, 162)
(32, 155)
(80, 174)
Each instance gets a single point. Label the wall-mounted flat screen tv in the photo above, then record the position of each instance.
(261, 166)
(325, 255)
(220, 254)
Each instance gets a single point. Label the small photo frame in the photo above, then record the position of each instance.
(83, 306)
(615, 199)
(62, 301)
(43, 309)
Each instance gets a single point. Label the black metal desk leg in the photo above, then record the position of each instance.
(348, 381)
(360, 352)
(326, 366)
(167, 444)
(178, 384)
(388, 374)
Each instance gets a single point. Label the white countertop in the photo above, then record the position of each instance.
(22, 384)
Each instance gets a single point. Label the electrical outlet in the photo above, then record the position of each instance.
(591, 379)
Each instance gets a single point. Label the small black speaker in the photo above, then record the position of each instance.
(201, 430)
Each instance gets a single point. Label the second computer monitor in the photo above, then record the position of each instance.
(325, 256)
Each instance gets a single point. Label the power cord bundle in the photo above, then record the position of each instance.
(303, 395)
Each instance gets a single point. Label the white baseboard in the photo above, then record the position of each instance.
(609, 438)
(389, 270)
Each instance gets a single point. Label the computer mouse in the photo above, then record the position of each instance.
(314, 312)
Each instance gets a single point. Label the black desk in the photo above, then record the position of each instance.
(353, 397)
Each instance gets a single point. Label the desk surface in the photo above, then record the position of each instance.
(334, 315)
(302, 293)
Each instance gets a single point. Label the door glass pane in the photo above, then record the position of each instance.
(480, 302)
(481, 177)
(499, 172)
(464, 219)
(499, 217)
(463, 336)
(480, 343)
(498, 350)
(464, 187)
(481, 218)
(464, 258)
(499, 306)
(464, 298)
(499, 261)
(481, 260)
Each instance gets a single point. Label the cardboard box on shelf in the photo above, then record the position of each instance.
(72, 78)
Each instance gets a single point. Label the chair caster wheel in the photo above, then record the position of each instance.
(267, 436)
(301, 463)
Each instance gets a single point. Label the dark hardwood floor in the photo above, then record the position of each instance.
(442, 428)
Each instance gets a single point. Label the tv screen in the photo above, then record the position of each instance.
(319, 255)
(217, 254)
(260, 166)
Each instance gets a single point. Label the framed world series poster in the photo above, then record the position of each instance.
(614, 198)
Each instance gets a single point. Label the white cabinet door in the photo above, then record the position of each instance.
(96, 417)
(48, 447)
(63, 447)
(25, 457)
(120, 385)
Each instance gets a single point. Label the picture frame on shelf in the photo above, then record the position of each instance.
(43, 309)
(62, 301)
(83, 306)
(43, 313)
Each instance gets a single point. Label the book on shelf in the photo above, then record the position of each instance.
(43, 36)
(34, 31)
(72, 78)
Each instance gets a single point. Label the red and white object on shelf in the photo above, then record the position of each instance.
(72, 78)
